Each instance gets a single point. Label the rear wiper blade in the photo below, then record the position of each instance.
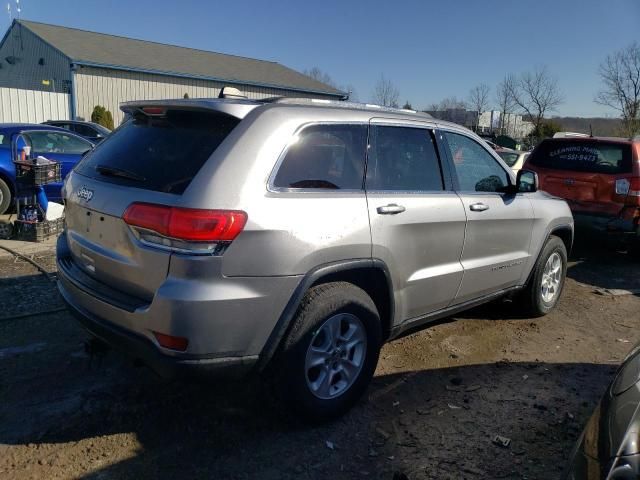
(119, 172)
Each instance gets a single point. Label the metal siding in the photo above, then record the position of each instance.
(26, 73)
(109, 88)
(32, 106)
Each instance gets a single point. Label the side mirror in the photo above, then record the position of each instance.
(527, 181)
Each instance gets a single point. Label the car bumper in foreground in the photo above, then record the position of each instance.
(140, 348)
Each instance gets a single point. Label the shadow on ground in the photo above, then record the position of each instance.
(597, 260)
(426, 424)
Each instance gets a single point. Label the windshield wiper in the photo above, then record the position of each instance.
(119, 172)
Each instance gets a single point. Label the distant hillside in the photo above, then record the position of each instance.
(603, 127)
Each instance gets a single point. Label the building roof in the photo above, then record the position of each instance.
(110, 51)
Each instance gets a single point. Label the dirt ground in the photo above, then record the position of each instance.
(438, 398)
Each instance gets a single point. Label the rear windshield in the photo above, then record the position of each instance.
(158, 153)
(509, 158)
(583, 156)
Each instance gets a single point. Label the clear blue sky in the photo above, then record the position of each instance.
(430, 50)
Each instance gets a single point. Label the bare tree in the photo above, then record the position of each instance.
(386, 93)
(504, 99)
(479, 100)
(537, 93)
(320, 76)
(620, 73)
(452, 103)
(450, 109)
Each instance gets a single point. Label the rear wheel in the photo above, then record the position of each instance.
(5, 197)
(547, 279)
(329, 357)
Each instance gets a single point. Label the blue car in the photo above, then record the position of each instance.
(53, 143)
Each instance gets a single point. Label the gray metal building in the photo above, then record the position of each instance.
(100, 69)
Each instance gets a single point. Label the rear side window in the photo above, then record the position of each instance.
(84, 130)
(583, 156)
(403, 159)
(158, 153)
(325, 157)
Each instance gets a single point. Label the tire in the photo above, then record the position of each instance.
(5, 197)
(536, 300)
(291, 375)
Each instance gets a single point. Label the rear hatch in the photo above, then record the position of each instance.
(585, 172)
(151, 159)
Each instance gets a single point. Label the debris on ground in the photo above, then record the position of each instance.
(501, 441)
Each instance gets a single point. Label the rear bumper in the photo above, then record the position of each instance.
(140, 348)
(227, 320)
(608, 224)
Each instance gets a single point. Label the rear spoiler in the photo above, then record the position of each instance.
(238, 108)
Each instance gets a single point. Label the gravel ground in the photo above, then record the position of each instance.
(438, 398)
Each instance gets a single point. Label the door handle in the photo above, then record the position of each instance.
(391, 209)
(478, 207)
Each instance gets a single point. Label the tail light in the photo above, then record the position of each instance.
(187, 229)
(630, 189)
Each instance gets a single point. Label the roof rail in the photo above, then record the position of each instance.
(340, 104)
(569, 134)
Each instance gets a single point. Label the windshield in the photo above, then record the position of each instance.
(158, 153)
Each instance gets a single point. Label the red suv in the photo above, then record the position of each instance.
(599, 177)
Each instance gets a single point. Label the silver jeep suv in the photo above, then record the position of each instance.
(294, 237)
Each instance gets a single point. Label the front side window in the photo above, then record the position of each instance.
(325, 157)
(403, 159)
(57, 142)
(476, 169)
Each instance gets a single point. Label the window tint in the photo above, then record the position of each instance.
(403, 158)
(583, 156)
(56, 142)
(84, 130)
(509, 158)
(476, 169)
(158, 153)
(325, 156)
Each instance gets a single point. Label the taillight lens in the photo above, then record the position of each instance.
(177, 227)
(630, 187)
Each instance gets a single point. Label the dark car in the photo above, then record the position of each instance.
(50, 142)
(89, 130)
(609, 447)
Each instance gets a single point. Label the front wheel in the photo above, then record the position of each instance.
(329, 357)
(547, 279)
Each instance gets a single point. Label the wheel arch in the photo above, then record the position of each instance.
(563, 232)
(6, 178)
(372, 275)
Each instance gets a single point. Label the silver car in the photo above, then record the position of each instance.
(295, 237)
